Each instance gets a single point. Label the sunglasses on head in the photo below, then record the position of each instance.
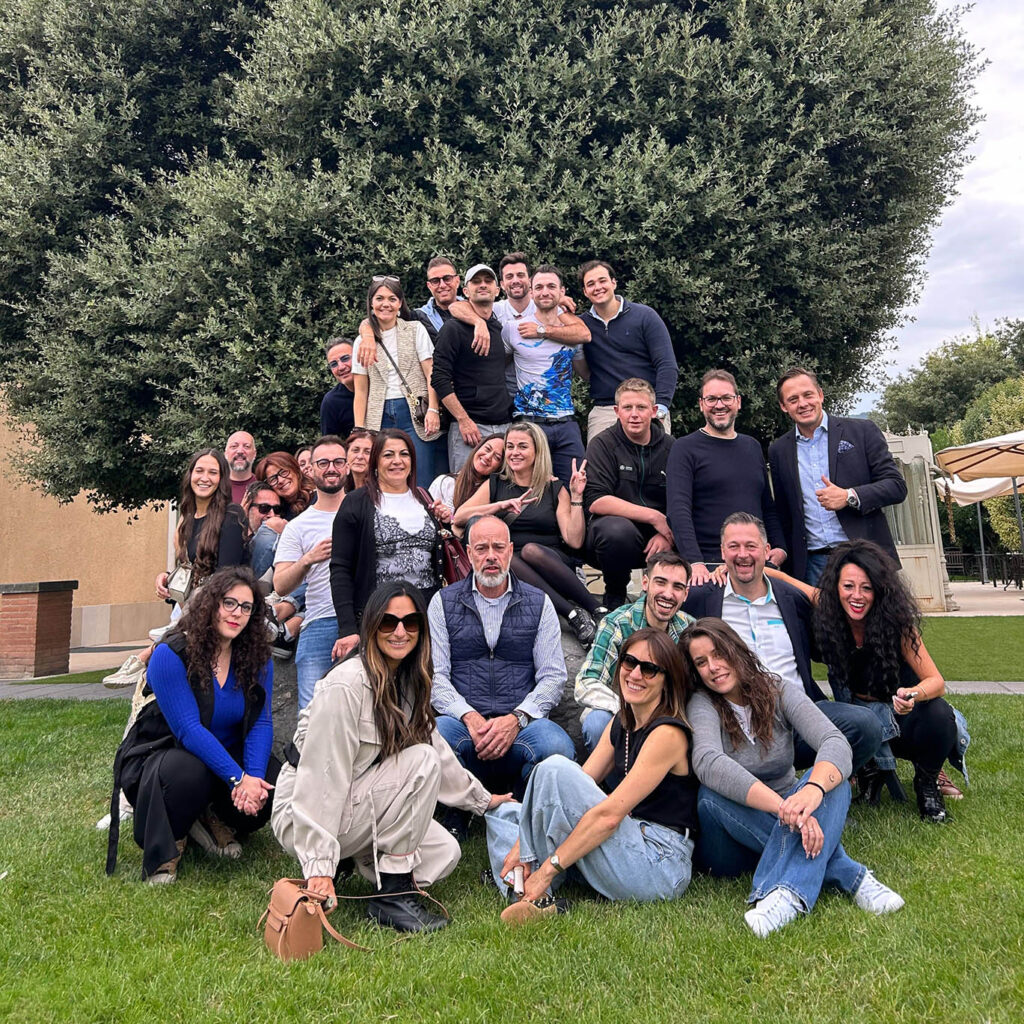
(647, 668)
(413, 622)
(264, 508)
(388, 279)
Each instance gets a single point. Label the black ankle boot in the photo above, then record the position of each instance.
(929, 799)
(404, 913)
(869, 784)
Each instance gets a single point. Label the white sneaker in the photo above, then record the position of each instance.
(157, 633)
(876, 898)
(775, 911)
(128, 674)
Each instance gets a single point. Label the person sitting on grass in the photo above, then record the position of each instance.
(625, 821)
(197, 760)
(367, 768)
(754, 813)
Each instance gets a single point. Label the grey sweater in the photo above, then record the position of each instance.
(732, 772)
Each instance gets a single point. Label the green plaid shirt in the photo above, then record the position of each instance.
(594, 683)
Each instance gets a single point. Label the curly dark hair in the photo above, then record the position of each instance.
(892, 620)
(411, 681)
(250, 650)
(760, 687)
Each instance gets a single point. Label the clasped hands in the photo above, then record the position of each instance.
(492, 737)
(796, 812)
(251, 794)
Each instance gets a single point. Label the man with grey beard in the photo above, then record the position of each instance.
(498, 667)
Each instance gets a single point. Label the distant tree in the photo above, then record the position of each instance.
(937, 391)
(999, 410)
(763, 174)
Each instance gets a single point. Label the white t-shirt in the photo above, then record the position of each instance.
(303, 534)
(424, 350)
(404, 508)
(443, 489)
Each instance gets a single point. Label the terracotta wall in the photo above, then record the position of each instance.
(114, 557)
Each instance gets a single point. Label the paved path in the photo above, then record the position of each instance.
(97, 691)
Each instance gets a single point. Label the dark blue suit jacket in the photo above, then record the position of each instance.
(796, 614)
(863, 464)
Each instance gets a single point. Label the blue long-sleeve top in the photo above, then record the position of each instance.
(634, 343)
(167, 677)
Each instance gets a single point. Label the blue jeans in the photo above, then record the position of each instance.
(815, 567)
(593, 725)
(313, 655)
(859, 725)
(540, 739)
(261, 558)
(431, 458)
(566, 444)
(639, 861)
(734, 838)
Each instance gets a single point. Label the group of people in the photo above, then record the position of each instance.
(708, 743)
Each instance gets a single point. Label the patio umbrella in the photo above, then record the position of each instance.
(1001, 456)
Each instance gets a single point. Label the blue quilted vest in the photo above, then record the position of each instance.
(495, 681)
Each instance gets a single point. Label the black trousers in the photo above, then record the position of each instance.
(174, 789)
(927, 735)
(618, 547)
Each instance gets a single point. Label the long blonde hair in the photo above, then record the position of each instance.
(541, 461)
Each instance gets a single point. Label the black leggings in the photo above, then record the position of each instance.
(175, 789)
(544, 568)
(927, 735)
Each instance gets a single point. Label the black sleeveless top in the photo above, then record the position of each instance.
(537, 523)
(673, 802)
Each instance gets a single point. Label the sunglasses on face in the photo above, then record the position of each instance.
(229, 604)
(443, 279)
(647, 668)
(323, 464)
(413, 623)
(333, 364)
(265, 508)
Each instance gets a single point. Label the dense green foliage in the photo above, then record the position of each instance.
(936, 393)
(196, 201)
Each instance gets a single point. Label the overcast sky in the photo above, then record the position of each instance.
(976, 265)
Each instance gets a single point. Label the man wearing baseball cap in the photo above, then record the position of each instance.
(471, 384)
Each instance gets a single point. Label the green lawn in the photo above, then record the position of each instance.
(75, 677)
(973, 647)
(80, 947)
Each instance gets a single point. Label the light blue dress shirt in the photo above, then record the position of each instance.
(821, 526)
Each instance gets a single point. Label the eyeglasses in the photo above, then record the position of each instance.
(333, 364)
(265, 508)
(276, 478)
(719, 399)
(388, 279)
(413, 623)
(229, 604)
(443, 279)
(323, 464)
(647, 668)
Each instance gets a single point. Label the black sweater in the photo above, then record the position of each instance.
(478, 382)
(709, 478)
(632, 472)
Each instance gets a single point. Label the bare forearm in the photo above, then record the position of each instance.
(288, 575)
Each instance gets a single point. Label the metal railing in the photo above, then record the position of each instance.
(998, 569)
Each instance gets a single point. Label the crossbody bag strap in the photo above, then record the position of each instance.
(401, 376)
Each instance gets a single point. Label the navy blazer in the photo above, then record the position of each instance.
(863, 464)
(796, 614)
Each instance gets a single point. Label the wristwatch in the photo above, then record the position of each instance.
(851, 498)
(542, 330)
(523, 718)
(556, 864)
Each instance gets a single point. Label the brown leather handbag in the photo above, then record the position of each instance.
(454, 563)
(296, 921)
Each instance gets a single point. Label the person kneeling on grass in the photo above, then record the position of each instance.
(754, 814)
(197, 760)
(367, 768)
(631, 840)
